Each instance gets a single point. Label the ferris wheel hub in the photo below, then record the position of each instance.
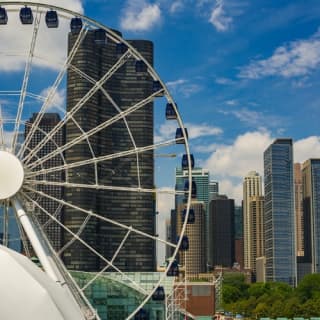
(11, 175)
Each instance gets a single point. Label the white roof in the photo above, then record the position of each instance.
(27, 293)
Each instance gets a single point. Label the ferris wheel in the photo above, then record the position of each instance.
(82, 160)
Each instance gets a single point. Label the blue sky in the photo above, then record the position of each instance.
(247, 71)
(242, 72)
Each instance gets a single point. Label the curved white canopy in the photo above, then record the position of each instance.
(27, 293)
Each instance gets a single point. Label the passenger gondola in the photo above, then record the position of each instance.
(184, 162)
(26, 16)
(179, 136)
(3, 16)
(100, 37)
(52, 20)
(191, 216)
(76, 25)
(159, 294)
(170, 112)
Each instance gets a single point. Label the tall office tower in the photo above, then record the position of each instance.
(251, 187)
(238, 235)
(311, 208)
(201, 178)
(221, 235)
(279, 219)
(47, 123)
(213, 189)
(256, 209)
(298, 207)
(126, 87)
(194, 259)
(168, 238)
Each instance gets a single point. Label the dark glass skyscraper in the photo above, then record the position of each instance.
(47, 123)
(279, 218)
(125, 88)
(311, 209)
(221, 234)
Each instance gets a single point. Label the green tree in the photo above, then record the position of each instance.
(309, 287)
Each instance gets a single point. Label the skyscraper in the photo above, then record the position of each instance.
(126, 87)
(279, 218)
(251, 187)
(213, 189)
(194, 258)
(238, 235)
(311, 207)
(221, 235)
(256, 209)
(47, 123)
(298, 207)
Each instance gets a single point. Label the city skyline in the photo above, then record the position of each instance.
(233, 106)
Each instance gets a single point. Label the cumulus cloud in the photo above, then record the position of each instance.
(51, 44)
(59, 98)
(220, 20)
(295, 59)
(229, 163)
(140, 15)
(167, 131)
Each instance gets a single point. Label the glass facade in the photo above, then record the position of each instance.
(279, 219)
(311, 200)
(114, 297)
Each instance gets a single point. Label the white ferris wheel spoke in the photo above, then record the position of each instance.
(26, 79)
(92, 214)
(79, 232)
(104, 187)
(101, 158)
(52, 92)
(121, 61)
(81, 240)
(94, 130)
(107, 266)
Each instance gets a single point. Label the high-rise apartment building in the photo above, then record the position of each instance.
(201, 177)
(238, 235)
(47, 123)
(126, 88)
(256, 209)
(311, 207)
(252, 186)
(298, 207)
(279, 218)
(194, 259)
(221, 234)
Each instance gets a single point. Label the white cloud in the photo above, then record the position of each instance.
(51, 44)
(184, 87)
(59, 99)
(139, 15)
(307, 148)
(229, 163)
(295, 59)
(232, 102)
(220, 20)
(168, 129)
(254, 118)
(224, 81)
(176, 6)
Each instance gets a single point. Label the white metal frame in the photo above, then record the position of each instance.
(50, 260)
